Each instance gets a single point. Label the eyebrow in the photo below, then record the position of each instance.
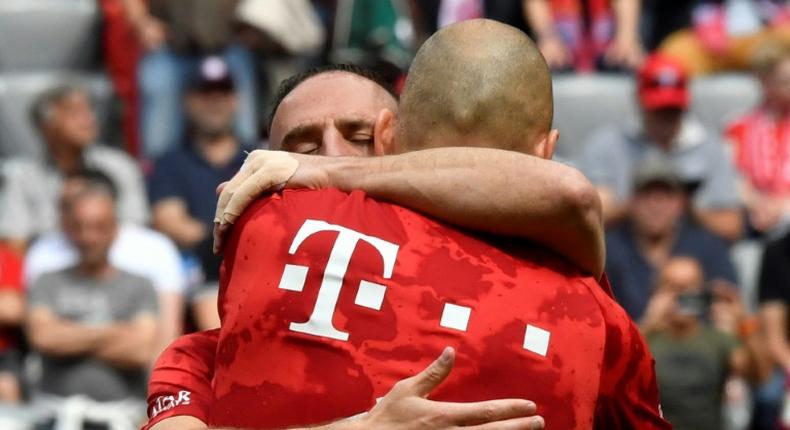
(299, 132)
(302, 131)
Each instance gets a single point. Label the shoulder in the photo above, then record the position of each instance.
(53, 278)
(23, 168)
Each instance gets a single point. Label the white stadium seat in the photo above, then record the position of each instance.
(48, 34)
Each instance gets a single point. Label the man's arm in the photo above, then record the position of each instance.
(773, 316)
(170, 216)
(725, 223)
(132, 345)
(482, 189)
(56, 336)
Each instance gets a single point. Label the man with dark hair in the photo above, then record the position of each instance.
(66, 121)
(182, 185)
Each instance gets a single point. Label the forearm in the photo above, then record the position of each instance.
(726, 223)
(64, 338)
(12, 308)
(185, 231)
(129, 346)
(538, 14)
(136, 10)
(489, 190)
(627, 18)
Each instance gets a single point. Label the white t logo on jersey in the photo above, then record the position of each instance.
(369, 295)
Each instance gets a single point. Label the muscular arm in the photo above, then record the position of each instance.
(482, 189)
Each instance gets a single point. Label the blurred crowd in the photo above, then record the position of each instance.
(106, 251)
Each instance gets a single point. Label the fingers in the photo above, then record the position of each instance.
(488, 411)
(220, 187)
(247, 169)
(424, 382)
(531, 423)
(267, 178)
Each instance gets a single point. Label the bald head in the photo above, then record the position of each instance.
(476, 83)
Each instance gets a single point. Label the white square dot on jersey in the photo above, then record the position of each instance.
(370, 295)
(293, 277)
(536, 340)
(455, 316)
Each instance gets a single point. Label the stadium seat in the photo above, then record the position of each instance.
(17, 93)
(583, 103)
(717, 99)
(48, 34)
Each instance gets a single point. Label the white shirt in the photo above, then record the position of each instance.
(137, 250)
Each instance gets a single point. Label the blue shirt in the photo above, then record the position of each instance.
(183, 173)
(633, 278)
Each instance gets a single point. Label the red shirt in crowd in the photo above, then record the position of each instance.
(10, 280)
(328, 299)
(762, 151)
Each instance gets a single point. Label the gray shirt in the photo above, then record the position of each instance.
(31, 190)
(74, 297)
(699, 157)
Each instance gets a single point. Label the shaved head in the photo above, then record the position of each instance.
(476, 83)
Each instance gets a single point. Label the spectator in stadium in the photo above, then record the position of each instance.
(66, 120)
(12, 310)
(184, 179)
(176, 35)
(136, 249)
(725, 33)
(665, 129)
(94, 325)
(654, 231)
(693, 358)
(587, 35)
(774, 298)
(761, 143)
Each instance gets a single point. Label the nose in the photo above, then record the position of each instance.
(335, 144)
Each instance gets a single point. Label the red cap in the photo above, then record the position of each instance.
(663, 83)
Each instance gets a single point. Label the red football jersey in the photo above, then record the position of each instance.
(180, 382)
(328, 299)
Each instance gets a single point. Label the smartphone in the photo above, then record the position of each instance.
(694, 304)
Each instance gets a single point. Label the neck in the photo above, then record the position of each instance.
(66, 159)
(777, 109)
(217, 150)
(98, 269)
(657, 248)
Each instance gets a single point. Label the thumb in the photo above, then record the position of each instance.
(433, 375)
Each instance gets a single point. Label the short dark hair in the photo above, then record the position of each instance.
(39, 111)
(96, 181)
(289, 84)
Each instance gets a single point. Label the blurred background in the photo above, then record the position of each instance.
(677, 110)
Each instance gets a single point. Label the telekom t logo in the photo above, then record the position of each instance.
(369, 294)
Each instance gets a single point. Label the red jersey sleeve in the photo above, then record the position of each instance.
(180, 382)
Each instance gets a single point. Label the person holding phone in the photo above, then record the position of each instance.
(699, 335)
